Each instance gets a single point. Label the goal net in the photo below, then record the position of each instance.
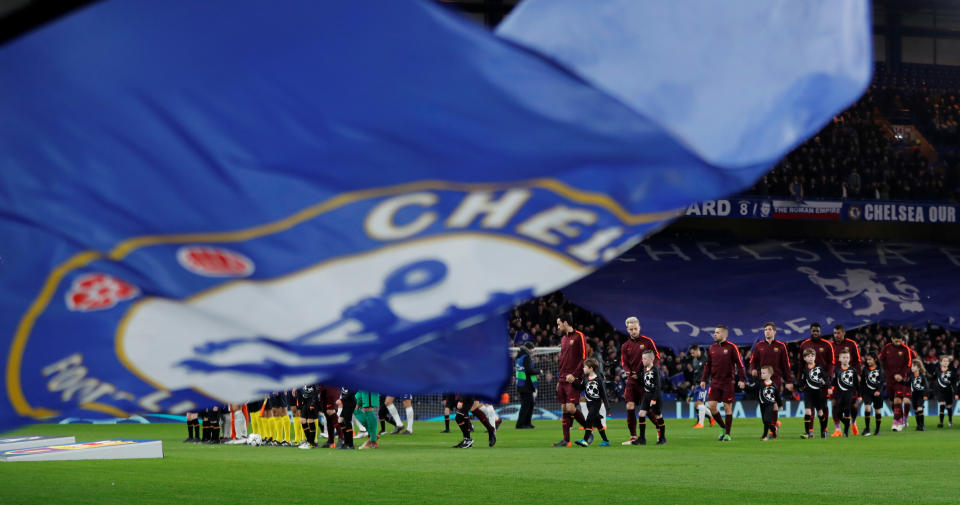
(430, 407)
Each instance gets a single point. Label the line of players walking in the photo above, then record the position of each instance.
(832, 372)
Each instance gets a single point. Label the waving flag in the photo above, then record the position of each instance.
(204, 202)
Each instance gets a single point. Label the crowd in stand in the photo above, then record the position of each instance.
(858, 156)
(536, 320)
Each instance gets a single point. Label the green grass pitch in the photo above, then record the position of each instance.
(903, 468)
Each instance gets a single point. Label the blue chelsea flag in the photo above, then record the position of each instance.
(207, 201)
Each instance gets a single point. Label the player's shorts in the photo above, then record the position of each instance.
(645, 404)
(633, 391)
(843, 397)
(309, 409)
(897, 390)
(277, 401)
(466, 403)
(450, 400)
(348, 404)
(403, 397)
(700, 394)
(368, 400)
(328, 397)
(721, 392)
(945, 396)
(815, 399)
(875, 401)
(916, 399)
(566, 393)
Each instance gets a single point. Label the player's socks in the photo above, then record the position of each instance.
(716, 417)
(276, 431)
(395, 415)
(371, 424)
(866, 421)
(776, 418)
(409, 412)
(808, 423)
(300, 433)
(661, 429)
(262, 426)
(463, 425)
(446, 422)
(950, 414)
(331, 426)
(348, 435)
(766, 429)
(643, 427)
(846, 426)
(897, 414)
(878, 417)
(268, 432)
(491, 414)
(919, 418)
(308, 432)
(603, 433)
(632, 422)
(943, 410)
(285, 426)
(484, 420)
(579, 417)
(823, 422)
(702, 414)
(728, 423)
(566, 422)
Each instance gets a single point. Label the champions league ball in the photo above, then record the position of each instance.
(254, 440)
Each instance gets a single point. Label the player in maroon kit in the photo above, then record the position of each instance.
(842, 343)
(906, 399)
(895, 359)
(327, 398)
(724, 366)
(631, 360)
(573, 350)
(773, 353)
(825, 358)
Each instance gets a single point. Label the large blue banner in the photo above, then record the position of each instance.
(208, 201)
(680, 290)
